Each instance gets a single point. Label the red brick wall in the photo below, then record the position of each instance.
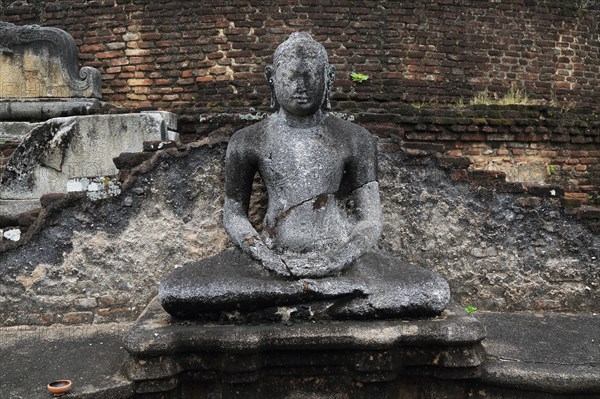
(205, 57)
(535, 145)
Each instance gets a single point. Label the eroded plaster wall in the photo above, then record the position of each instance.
(102, 261)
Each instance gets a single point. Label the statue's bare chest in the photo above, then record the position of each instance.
(304, 158)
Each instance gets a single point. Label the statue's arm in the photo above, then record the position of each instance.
(362, 170)
(367, 231)
(240, 168)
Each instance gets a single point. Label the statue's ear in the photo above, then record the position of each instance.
(270, 73)
(329, 78)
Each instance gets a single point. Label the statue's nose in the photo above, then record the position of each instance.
(300, 86)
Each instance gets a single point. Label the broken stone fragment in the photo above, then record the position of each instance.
(129, 160)
(49, 199)
(26, 219)
(12, 234)
(151, 146)
(7, 221)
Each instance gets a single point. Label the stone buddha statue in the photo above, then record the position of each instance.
(316, 255)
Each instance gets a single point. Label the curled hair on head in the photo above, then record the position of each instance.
(310, 48)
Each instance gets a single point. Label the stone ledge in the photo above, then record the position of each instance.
(14, 207)
(530, 355)
(77, 147)
(155, 334)
(166, 355)
(553, 353)
(550, 378)
(14, 132)
(43, 109)
(90, 356)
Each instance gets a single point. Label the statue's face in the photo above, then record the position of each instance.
(300, 84)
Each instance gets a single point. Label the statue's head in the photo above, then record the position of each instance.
(300, 77)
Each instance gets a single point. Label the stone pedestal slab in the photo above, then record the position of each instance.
(362, 359)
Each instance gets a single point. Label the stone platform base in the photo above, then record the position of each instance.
(333, 359)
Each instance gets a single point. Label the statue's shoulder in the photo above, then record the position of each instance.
(351, 131)
(250, 136)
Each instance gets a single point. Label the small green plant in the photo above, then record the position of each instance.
(359, 77)
(582, 6)
(552, 168)
(470, 309)
(514, 95)
(481, 98)
(421, 104)
(593, 198)
(430, 102)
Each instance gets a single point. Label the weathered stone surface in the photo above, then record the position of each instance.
(544, 256)
(323, 215)
(247, 357)
(554, 353)
(376, 286)
(156, 333)
(91, 249)
(169, 118)
(169, 121)
(12, 208)
(428, 218)
(523, 171)
(43, 109)
(38, 62)
(15, 131)
(75, 147)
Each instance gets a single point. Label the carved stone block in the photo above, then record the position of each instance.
(38, 62)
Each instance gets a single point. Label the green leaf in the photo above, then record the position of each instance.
(470, 309)
(358, 77)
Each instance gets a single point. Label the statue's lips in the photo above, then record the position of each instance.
(300, 99)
